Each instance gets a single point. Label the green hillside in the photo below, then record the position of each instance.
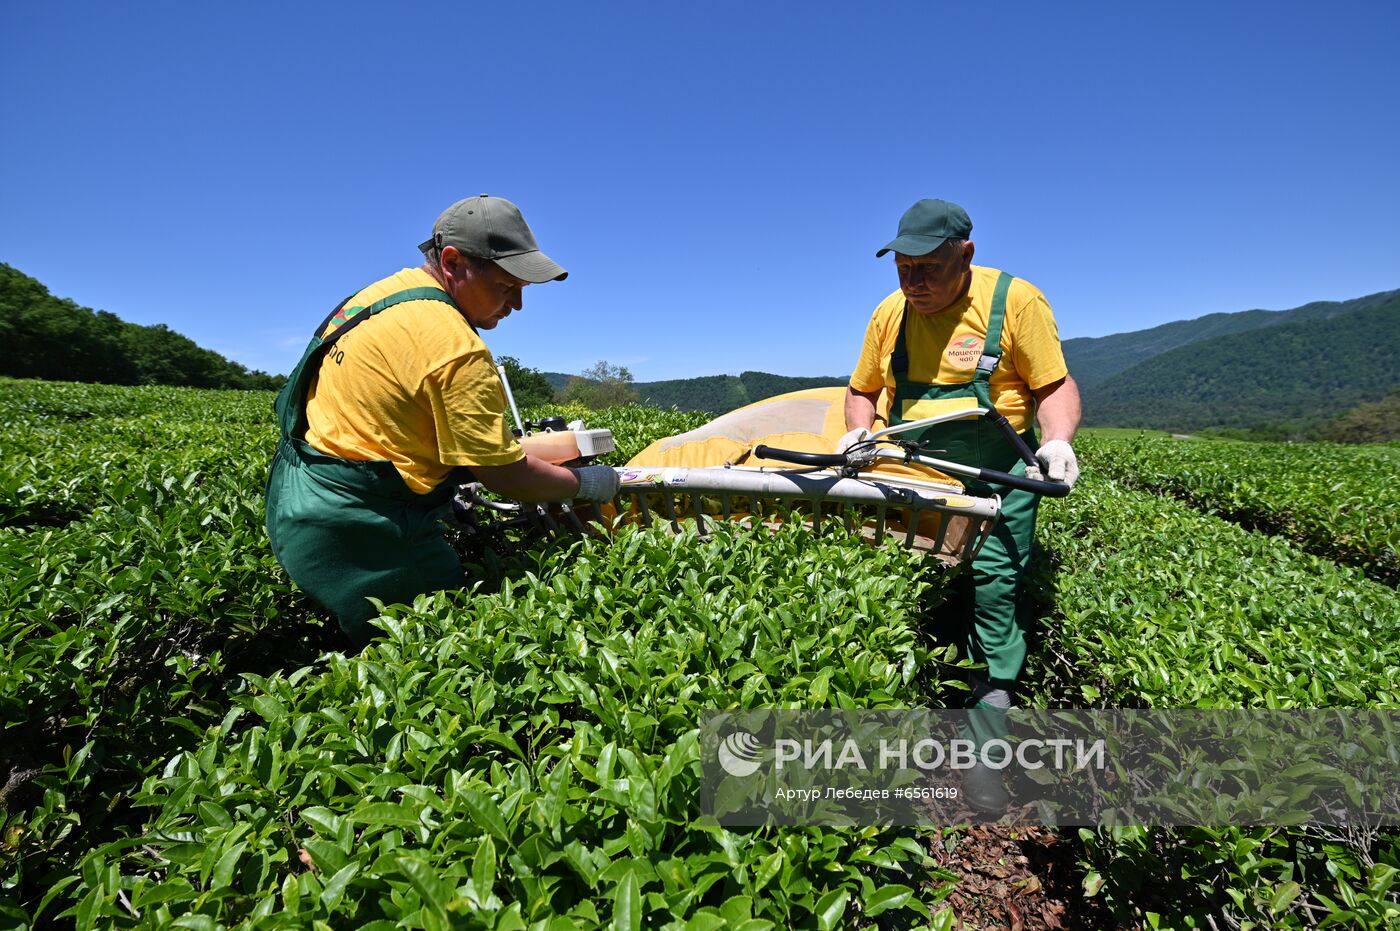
(760, 385)
(1368, 422)
(54, 338)
(1175, 377)
(714, 394)
(1298, 373)
(1094, 360)
(557, 380)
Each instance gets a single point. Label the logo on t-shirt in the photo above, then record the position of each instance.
(965, 351)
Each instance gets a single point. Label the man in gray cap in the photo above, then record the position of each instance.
(395, 402)
(957, 336)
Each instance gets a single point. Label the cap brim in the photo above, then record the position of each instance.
(534, 267)
(913, 245)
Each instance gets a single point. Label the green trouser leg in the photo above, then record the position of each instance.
(341, 540)
(986, 722)
(990, 607)
(999, 624)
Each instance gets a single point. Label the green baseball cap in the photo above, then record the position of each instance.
(492, 228)
(926, 225)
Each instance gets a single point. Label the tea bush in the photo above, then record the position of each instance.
(136, 585)
(1337, 501)
(1172, 608)
(530, 757)
(1161, 606)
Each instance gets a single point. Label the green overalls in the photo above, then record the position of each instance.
(995, 633)
(345, 530)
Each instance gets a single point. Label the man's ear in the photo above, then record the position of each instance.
(968, 250)
(455, 262)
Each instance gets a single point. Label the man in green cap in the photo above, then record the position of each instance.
(395, 402)
(957, 336)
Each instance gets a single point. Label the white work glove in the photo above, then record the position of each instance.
(1057, 463)
(861, 456)
(597, 483)
(858, 435)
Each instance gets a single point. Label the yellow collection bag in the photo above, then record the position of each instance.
(810, 421)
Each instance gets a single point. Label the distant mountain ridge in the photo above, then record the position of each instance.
(1310, 367)
(1093, 360)
(715, 394)
(1287, 370)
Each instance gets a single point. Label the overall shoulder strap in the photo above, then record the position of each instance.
(343, 318)
(321, 327)
(291, 400)
(899, 360)
(991, 349)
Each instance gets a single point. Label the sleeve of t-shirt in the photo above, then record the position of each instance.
(869, 373)
(1035, 351)
(469, 412)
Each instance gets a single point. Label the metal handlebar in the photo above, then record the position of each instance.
(826, 460)
(1035, 486)
(990, 476)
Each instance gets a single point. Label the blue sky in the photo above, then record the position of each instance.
(716, 177)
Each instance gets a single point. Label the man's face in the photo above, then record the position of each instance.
(485, 292)
(935, 281)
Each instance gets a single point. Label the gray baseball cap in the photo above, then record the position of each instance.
(492, 228)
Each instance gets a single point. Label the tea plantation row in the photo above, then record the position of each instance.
(1157, 605)
(134, 586)
(1337, 501)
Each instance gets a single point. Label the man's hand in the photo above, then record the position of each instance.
(858, 435)
(1057, 463)
(850, 446)
(597, 483)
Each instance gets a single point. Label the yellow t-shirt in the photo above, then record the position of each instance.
(413, 385)
(944, 349)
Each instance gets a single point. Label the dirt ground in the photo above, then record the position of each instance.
(1017, 878)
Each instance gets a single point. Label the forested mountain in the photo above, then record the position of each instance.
(1095, 359)
(1367, 422)
(716, 394)
(557, 380)
(1271, 373)
(761, 385)
(713, 393)
(720, 393)
(1297, 373)
(49, 337)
